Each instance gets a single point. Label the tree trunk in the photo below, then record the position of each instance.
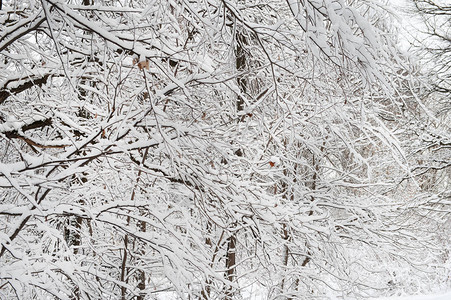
(230, 265)
(124, 268)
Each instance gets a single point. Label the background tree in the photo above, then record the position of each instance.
(428, 127)
(435, 40)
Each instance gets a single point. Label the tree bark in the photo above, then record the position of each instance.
(230, 265)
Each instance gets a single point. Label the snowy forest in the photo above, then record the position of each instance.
(224, 149)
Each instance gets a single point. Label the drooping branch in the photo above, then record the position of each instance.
(18, 134)
(18, 85)
(21, 29)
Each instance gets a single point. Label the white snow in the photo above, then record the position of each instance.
(438, 296)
